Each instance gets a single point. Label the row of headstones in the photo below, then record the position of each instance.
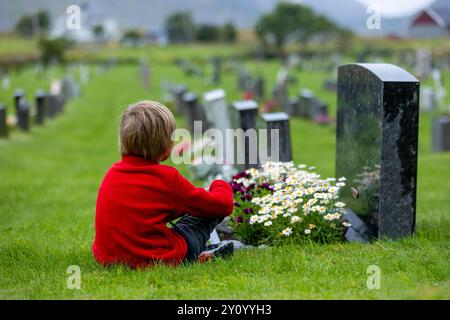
(215, 114)
(46, 106)
(191, 69)
(305, 105)
(376, 144)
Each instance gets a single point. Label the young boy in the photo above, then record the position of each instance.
(139, 196)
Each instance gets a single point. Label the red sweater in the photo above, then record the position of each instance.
(135, 201)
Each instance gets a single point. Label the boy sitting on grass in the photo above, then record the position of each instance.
(139, 196)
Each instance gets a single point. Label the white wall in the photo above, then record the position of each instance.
(428, 32)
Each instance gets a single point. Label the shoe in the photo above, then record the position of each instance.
(222, 250)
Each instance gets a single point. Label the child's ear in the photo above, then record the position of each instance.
(166, 154)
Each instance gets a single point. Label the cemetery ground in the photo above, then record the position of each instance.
(49, 182)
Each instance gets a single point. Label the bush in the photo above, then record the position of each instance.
(283, 203)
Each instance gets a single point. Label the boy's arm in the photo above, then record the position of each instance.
(217, 202)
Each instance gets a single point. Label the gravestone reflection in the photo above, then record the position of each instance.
(376, 149)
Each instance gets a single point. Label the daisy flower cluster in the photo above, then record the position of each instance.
(284, 201)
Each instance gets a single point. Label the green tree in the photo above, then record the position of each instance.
(291, 22)
(30, 25)
(229, 33)
(132, 36)
(207, 33)
(53, 50)
(180, 27)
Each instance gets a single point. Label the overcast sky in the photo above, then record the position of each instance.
(394, 8)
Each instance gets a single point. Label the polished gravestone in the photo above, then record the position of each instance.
(243, 116)
(376, 149)
(3, 122)
(23, 115)
(278, 121)
(41, 106)
(440, 133)
(19, 94)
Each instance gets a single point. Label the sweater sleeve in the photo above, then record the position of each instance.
(217, 202)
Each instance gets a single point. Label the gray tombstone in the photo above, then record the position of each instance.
(306, 100)
(245, 114)
(244, 79)
(330, 85)
(41, 106)
(217, 110)
(440, 132)
(178, 91)
(428, 99)
(3, 122)
(293, 107)
(280, 92)
(258, 88)
(376, 147)
(23, 115)
(216, 63)
(423, 63)
(52, 105)
(194, 111)
(279, 121)
(145, 73)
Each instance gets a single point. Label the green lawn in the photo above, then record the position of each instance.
(49, 180)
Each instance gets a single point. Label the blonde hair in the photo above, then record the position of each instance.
(145, 130)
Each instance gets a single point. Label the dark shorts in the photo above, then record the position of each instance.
(196, 231)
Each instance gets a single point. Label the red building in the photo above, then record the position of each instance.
(431, 23)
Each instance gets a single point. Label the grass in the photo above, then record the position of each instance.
(49, 181)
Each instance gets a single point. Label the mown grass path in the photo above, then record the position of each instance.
(48, 187)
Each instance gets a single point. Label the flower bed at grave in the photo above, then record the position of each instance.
(282, 202)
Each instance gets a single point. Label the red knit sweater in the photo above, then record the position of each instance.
(135, 201)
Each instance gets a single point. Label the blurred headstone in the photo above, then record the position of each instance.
(440, 131)
(279, 121)
(245, 114)
(23, 115)
(3, 122)
(41, 106)
(423, 63)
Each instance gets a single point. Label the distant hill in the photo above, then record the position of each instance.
(150, 14)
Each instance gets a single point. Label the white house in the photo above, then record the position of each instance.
(431, 22)
(90, 16)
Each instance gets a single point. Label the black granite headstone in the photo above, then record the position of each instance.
(19, 94)
(440, 127)
(23, 115)
(280, 121)
(293, 107)
(3, 122)
(244, 117)
(306, 99)
(376, 147)
(52, 105)
(41, 106)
